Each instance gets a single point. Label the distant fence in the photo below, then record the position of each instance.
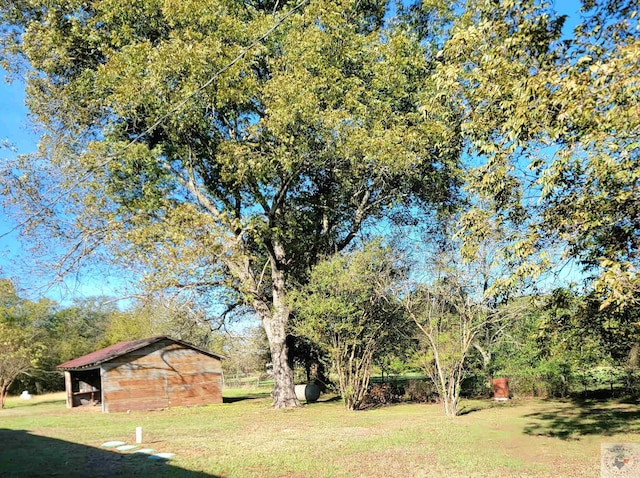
(247, 381)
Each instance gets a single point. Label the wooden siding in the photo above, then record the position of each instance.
(163, 374)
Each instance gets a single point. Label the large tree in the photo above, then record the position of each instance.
(591, 187)
(551, 123)
(222, 145)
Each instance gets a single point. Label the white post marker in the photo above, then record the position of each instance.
(138, 434)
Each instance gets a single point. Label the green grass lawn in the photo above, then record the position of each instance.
(244, 437)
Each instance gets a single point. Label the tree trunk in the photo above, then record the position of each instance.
(275, 326)
(274, 316)
(3, 395)
(284, 395)
(634, 354)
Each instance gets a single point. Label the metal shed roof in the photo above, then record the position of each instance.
(106, 354)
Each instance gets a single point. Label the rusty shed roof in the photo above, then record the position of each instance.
(106, 354)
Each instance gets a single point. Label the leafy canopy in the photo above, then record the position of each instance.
(283, 151)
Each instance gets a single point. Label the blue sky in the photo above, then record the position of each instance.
(16, 128)
(21, 134)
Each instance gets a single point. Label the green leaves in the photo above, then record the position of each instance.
(176, 150)
(349, 311)
(347, 296)
(21, 334)
(310, 134)
(551, 129)
(590, 195)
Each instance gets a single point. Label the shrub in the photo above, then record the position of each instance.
(475, 386)
(417, 391)
(420, 391)
(383, 394)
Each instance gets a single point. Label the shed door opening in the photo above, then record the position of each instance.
(86, 389)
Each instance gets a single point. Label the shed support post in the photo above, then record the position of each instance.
(68, 388)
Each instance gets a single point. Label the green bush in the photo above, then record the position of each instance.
(476, 385)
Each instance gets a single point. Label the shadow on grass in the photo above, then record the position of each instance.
(578, 417)
(324, 398)
(329, 398)
(479, 405)
(467, 410)
(247, 396)
(25, 454)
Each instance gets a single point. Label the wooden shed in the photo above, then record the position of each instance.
(147, 374)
